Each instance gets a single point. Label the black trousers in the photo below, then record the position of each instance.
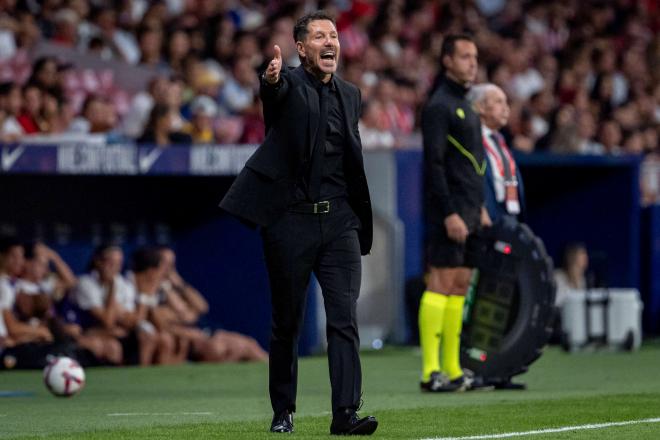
(294, 247)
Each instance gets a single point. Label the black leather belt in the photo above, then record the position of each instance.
(312, 208)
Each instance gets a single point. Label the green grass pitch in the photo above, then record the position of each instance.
(231, 402)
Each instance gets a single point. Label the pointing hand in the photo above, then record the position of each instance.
(272, 74)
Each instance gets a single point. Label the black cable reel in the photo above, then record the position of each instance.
(510, 307)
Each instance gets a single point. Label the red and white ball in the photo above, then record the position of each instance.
(64, 376)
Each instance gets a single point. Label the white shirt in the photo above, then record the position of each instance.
(11, 127)
(7, 299)
(133, 123)
(498, 179)
(46, 286)
(564, 287)
(235, 96)
(90, 293)
(7, 44)
(525, 84)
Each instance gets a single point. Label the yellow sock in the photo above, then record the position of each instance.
(431, 313)
(451, 337)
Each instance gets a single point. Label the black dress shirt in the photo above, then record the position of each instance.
(325, 179)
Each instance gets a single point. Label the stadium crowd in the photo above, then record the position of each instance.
(582, 76)
(148, 315)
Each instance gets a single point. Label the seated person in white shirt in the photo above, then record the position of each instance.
(13, 331)
(108, 304)
(38, 293)
(180, 308)
(147, 275)
(38, 288)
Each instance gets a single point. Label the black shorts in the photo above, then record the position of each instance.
(131, 348)
(442, 251)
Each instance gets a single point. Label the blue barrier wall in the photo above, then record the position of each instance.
(651, 268)
(594, 200)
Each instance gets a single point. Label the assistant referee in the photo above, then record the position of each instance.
(454, 167)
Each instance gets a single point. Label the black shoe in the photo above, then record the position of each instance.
(347, 422)
(439, 383)
(282, 422)
(475, 382)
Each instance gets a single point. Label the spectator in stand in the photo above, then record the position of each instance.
(98, 116)
(67, 22)
(609, 136)
(241, 87)
(18, 30)
(11, 102)
(205, 78)
(540, 108)
(122, 43)
(45, 73)
(177, 47)
(373, 128)
(150, 42)
(174, 100)
(160, 131)
(253, 123)
(161, 90)
(53, 114)
(586, 135)
(608, 54)
(200, 127)
(32, 106)
(634, 143)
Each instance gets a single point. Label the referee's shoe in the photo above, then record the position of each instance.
(439, 383)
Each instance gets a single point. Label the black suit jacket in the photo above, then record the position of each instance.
(265, 187)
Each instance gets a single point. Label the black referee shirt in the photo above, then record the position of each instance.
(454, 159)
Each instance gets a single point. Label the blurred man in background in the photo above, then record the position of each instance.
(504, 190)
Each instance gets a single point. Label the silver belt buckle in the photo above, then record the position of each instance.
(322, 207)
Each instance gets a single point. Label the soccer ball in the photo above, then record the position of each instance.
(64, 376)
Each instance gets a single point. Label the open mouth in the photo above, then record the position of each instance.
(328, 55)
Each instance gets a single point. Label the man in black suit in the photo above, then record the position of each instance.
(306, 188)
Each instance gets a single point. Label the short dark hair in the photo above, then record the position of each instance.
(8, 242)
(300, 29)
(6, 87)
(449, 44)
(29, 250)
(146, 258)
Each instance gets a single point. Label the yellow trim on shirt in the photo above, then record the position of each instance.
(480, 170)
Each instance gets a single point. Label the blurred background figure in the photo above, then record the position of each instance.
(572, 275)
(181, 308)
(504, 193)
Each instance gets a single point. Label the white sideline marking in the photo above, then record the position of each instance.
(159, 414)
(551, 430)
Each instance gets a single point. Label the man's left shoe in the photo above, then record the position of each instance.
(282, 422)
(347, 422)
